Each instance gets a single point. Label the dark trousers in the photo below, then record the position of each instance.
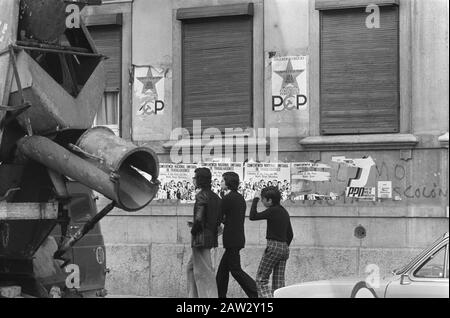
(231, 263)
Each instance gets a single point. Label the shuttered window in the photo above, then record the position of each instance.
(217, 77)
(359, 72)
(108, 41)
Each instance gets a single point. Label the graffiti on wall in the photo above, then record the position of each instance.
(376, 181)
(402, 186)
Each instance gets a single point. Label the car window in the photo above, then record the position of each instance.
(447, 264)
(433, 267)
(419, 256)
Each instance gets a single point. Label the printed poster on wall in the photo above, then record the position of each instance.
(303, 173)
(148, 89)
(385, 189)
(176, 182)
(219, 168)
(260, 175)
(289, 83)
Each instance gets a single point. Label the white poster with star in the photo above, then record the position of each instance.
(289, 83)
(148, 89)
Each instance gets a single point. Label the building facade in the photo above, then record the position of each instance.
(339, 80)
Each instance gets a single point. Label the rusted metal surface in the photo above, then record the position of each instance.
(43, 20)
(8, 193)
(9, 12)
(57, 50)
(89, 225)
(59, 159)
(23, 227)
(33, 44)
(53, 107)
(20, 91)
(28, 211)
(119, 175)
(59, 183)
(10, 176)
(103, 143)
(137, 167)
(20, 238)
(52, 81)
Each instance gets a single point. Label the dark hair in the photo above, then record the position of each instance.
(271, 193)
(231, 180)
(203, 177)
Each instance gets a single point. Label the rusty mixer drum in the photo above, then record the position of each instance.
(43, 20)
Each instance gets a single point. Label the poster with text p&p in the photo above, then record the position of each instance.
(148, 91)
(289, 83)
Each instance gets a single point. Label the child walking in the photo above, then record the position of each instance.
(279, 236)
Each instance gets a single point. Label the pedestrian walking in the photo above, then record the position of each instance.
(204, 231)
(279, 236)
(233, 218)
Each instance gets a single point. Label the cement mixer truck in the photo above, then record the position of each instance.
(53, 162)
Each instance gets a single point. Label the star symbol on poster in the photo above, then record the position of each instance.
(289, 76)
(149, 82)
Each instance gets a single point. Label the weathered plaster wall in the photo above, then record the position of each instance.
(430, 77)
(152, 45)
(286, 33)
(148, 250)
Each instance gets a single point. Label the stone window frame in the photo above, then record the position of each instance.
(403, 139)
(105, 12)
(258, 57)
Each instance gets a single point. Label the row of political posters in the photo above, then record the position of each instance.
(177, 184)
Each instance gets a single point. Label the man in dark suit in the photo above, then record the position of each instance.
(233, 214)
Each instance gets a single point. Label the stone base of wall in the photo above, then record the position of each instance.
(159, 270)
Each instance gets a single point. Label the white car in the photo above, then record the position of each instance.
(426, 276)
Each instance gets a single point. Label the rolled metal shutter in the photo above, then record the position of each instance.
(359, 72)
(217, 83)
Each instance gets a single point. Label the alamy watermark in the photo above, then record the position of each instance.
(373, 277)
(232, 144)
(373, 19)
(73, 15)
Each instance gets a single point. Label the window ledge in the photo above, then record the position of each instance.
(444, 139)
(349, 4)
(215, 11)
(239, 141)
(350, 142)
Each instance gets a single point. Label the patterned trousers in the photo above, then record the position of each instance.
(273, 262)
